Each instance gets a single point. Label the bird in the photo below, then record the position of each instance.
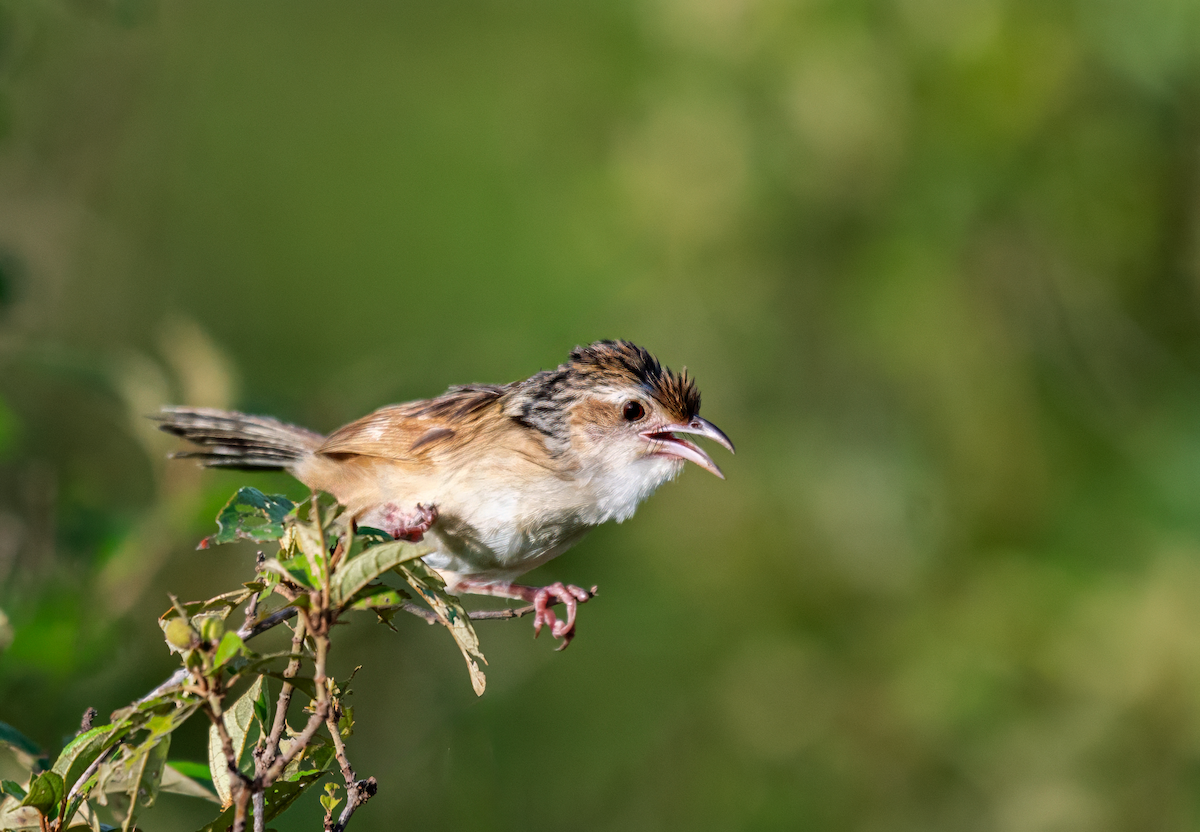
(497, 479)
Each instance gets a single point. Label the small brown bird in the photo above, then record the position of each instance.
(499, 478)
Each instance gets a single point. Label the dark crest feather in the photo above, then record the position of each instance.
(626, 361)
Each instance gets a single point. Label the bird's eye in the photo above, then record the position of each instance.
(633, 411)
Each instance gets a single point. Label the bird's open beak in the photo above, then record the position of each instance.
(667, 443)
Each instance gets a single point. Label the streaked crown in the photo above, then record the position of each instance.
(542, 401)
(622, 362)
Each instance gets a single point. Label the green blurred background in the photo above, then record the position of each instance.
(935, 263)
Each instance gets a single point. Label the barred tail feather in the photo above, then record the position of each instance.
(236, 440)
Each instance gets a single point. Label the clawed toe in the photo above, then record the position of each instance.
(542, 598)
(569, 596)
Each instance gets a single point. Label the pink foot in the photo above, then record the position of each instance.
(542, 598)
(571, 597)
(407, 525)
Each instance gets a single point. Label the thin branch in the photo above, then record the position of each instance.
(88, 772)
(358, 791)
(319, 712)
(285, 697)
(475, 615)
(518, 612)
(251, 611)
(356, 795)
(249, 631)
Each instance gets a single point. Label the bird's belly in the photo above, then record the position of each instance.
(486, 527)
(501, 551)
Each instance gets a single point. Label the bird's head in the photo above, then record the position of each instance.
(621, 414)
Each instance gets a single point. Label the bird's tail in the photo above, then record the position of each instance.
(236, 440)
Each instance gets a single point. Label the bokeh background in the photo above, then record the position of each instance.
(935, 263)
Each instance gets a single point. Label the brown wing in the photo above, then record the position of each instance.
(417, 429)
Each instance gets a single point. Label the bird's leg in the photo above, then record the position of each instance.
(541, 597)
(409, 525)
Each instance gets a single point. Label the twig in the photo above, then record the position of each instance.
(249, 631)
(475, 615)
(358, 791)
(518, 612)
(285, 697)
(88, 772)
(356, 795)
(321, 637)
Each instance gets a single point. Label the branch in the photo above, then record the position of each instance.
(356, 795)
(475, 615)
(285, 697)
(319, 712)
(358, 791)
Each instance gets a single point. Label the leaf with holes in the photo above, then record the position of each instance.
(250, 515)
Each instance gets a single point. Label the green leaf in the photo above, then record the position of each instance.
(277, 798)
(12, 789)
(377, 597)
(238, 720)
(27, 751)
(452, 615)
(297, 569)
(231, 645)
(263, 713)
(304, 684)
(317, 758)
(139, 713)
(176, 781)
(81, 752)
(250, 515)
(46, 793)
(330, 800)
(255, 663)
(189, 768)
(372, 533)
(356, 573)
(310, 541)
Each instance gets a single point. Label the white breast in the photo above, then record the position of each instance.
(501, 532)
